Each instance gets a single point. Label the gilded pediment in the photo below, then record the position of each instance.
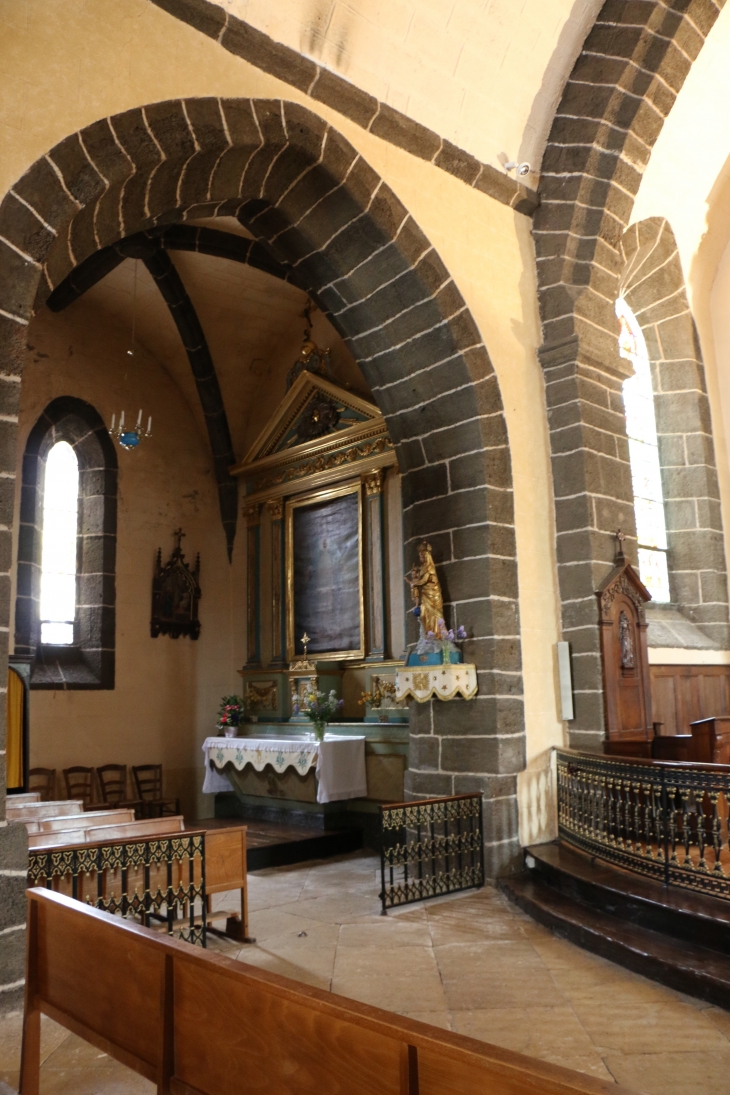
(317, 428)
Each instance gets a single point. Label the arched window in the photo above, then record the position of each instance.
(65, 604)
(651, 529)
(58, 561)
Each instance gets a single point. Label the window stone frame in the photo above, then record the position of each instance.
(90, 662)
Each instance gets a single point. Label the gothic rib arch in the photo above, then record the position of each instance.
(622, 87)
(320, 210)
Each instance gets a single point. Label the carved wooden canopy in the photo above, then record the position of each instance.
(624, 654)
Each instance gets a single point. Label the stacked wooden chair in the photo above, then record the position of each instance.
(43, 780)
(80, 783)
(113, 786)
(148, 782)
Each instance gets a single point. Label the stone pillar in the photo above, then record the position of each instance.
(13, 835)
(593, 498)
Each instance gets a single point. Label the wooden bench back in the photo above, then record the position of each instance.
(197, 1023)
(85, 821)
(62, 838)
(35, 810)
(135, 830)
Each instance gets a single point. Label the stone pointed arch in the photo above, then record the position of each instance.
(652, 282)
(315, 204)
(622, 87)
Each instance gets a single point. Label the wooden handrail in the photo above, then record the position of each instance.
(430, 801)
(649, 762)
(197, 1023)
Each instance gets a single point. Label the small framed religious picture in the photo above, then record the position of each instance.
(324, 572)
(175, 595)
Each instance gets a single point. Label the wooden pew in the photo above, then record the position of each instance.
(85, 821)
(225, 870)
(197, 1023)
(109, 874)
(62, 838)
(135, 830)
(711, 740)
(34, 811)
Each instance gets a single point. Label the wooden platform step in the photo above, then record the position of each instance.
(297, 846)
(681, 940)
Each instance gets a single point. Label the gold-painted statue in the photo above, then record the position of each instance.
(426, 590)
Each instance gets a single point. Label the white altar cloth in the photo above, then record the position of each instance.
(339, 762)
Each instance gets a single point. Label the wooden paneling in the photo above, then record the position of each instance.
(682, 694)
(194, 1021)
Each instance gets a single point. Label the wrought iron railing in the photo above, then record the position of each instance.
(662, 819)
(430, 847)
(153, 880)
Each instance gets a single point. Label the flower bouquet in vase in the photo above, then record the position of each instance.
(320, 710)
(379, 697)
(230, 715)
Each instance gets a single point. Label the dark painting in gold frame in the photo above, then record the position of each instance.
(324, 573)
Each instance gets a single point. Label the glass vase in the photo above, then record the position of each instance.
(319, 729)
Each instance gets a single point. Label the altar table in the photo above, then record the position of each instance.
(339, 762)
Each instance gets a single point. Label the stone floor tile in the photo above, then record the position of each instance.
(337, 909)
(289, 967)
(549, 1033)
(265, 923)
(116, 1080)
(639, 1027)
(588, 985)
(689, 1073)
(719, 1018)
(11, 1031)
(479, 928)
(434, 1018)
(75, 1053)
(385, 933)
(400, 979)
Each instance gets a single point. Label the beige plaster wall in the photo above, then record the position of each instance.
(167, 691)
(76, 61)
(487, 76)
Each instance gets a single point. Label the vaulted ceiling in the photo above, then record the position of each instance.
(223, 319)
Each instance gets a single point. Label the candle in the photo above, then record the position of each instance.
(121, 422)
(113, 420)
(139, 420)
(149, 425)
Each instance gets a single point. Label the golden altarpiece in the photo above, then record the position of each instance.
(313, 500)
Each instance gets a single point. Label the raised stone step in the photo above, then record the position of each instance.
(623, 918)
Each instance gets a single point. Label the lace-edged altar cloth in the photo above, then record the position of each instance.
(339, 762)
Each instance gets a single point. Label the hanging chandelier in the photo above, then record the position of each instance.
(129, 437)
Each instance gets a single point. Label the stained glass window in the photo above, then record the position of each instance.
(58, 561)
(638, 395)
